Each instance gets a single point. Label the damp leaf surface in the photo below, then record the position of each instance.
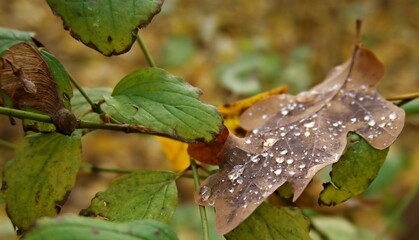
(109, 27)
(75, 227)
(292, 137)
(164, 104)
(136, 196)
(37, 182)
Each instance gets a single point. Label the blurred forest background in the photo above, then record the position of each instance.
(234, 49)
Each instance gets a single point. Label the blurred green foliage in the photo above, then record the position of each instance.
(293, 43)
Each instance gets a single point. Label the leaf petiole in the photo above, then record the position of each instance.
(145, 51)
(95, 107)
(404, 98)
(202, 212)
(93, 168)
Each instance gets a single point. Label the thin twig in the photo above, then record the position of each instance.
(202, 212)
(25, 115)
(96, 108)
(7, 145)
(127, 128)
(145, 51)
(93, 168)
(404, 98)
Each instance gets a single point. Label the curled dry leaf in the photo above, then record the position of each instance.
(26, 79)
(292, 137)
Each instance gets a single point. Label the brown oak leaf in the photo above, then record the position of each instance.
(26, 79)
(292, 137)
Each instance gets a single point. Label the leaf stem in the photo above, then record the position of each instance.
(404, 98)
(202, 212)
(122, 127)
(7, 145)
(145, 51)
(25, 115)
(187, 174)
(95, 107)
(92, 168)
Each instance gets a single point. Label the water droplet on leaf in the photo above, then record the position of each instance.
(235, 172)
(393, 116)
(309, 124)
(269, 142)
(371, 122)
(278, 171)
(290, 161)
(205, 193)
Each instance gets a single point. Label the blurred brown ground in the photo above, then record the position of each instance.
(220, 31)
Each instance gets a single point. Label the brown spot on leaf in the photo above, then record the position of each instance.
(95, 231)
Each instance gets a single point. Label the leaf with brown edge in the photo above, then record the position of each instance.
(292, 137)
(108, 26)
(27, 80)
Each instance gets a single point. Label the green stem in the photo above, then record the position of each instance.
(7, 145)
(25, 115)
(202, 212)
(92, 168)
(188, 175)
(145, 51)
(127, 128)
(94, 106)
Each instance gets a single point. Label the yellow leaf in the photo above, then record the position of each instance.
(231, 111)
(176, 152)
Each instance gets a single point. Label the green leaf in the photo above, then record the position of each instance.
(61, 76)
(10, 37)
(394, 164)
(82, 109)
(37, 182)
(165, 104)
(354, 172)
(81, 228)
(412, 107)
(270, 222)
(340, 228)
(137, 196)
(107, 26)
